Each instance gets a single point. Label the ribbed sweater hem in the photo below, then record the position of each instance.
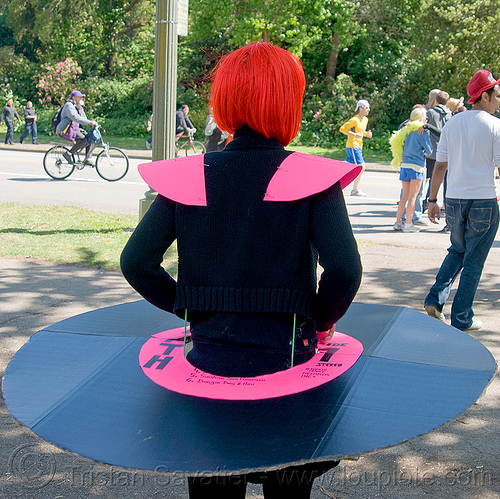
(233, 299)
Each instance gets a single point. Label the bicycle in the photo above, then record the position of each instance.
(190, 147)
(111, 163)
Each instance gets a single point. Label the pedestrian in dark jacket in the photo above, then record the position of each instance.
(29, 123)
(9, 113)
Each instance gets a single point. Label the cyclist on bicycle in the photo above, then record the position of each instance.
(70, 127)
(182, 122)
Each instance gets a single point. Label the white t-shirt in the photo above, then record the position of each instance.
(470, 144)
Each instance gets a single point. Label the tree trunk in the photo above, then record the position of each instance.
(265, 36)
(331, 65)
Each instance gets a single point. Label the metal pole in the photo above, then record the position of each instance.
(164, 88)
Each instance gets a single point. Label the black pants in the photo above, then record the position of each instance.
(290, 483)
(81, 142)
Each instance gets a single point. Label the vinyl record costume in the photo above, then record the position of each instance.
(251, 224)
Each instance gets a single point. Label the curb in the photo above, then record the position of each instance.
(146, 154)
(41, 148)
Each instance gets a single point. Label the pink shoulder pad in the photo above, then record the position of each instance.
(302, 175)
(181, 179)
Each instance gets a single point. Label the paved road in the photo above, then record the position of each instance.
(23, 180)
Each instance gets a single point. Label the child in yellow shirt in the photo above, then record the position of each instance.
(355, 129)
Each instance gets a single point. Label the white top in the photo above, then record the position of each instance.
(470, 144)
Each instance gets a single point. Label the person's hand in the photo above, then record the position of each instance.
(93, 123)
(420, 130)
(325, 335)
(148, 128)
(434, 212)
(369, 134)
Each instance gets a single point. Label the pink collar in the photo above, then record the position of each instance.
(299, 176)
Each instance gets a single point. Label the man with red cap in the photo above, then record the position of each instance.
(469, 149)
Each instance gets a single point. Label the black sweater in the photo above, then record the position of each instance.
(243, 254)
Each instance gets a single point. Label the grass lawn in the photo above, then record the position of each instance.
(68, 235)
(114, 140)
(71, 235)
(339, 153)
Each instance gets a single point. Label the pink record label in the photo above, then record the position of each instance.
(162, 360)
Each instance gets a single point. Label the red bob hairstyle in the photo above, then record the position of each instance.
(261, 86)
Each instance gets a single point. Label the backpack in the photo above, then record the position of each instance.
(56, 119)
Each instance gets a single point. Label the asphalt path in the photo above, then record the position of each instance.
(23, 180)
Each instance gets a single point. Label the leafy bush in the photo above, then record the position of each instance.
(16, 75)
(43, 119)
(327, 105)
(57, 81)
(118, 98)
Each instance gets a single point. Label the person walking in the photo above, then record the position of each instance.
(469, 150)
(215, 138)
(437, 116)
(9, 113)
(409, 149)
(149, 127)
(355, 129)
(29, 123)
(247, 265)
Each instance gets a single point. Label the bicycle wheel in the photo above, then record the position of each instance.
(56, 165)
(194, 148)
(112, 164)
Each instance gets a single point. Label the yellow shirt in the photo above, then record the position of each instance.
(357, 126)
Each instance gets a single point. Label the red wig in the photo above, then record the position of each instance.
(261, 86)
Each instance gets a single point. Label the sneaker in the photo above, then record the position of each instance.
(20, 141)
(474, 326)
(358, 193)
(410, 228)
(88, 163)
(445, 230)
(398, 226)
(148, 144)
(67, 156)
(434, 312)
(420, 222)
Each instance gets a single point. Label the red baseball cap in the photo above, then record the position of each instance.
(481, 82)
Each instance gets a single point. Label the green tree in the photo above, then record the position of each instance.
(455, 40)
(95, 32)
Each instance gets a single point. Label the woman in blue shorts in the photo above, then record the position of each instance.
(415, 144)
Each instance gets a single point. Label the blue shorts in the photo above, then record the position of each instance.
(407, 174)
(355, 155)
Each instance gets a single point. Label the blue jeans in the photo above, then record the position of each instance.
(29, 129)
(9, 136)
(473, 225)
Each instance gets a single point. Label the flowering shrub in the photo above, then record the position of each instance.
(57, 82)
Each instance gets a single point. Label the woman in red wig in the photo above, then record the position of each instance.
(247, 278)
